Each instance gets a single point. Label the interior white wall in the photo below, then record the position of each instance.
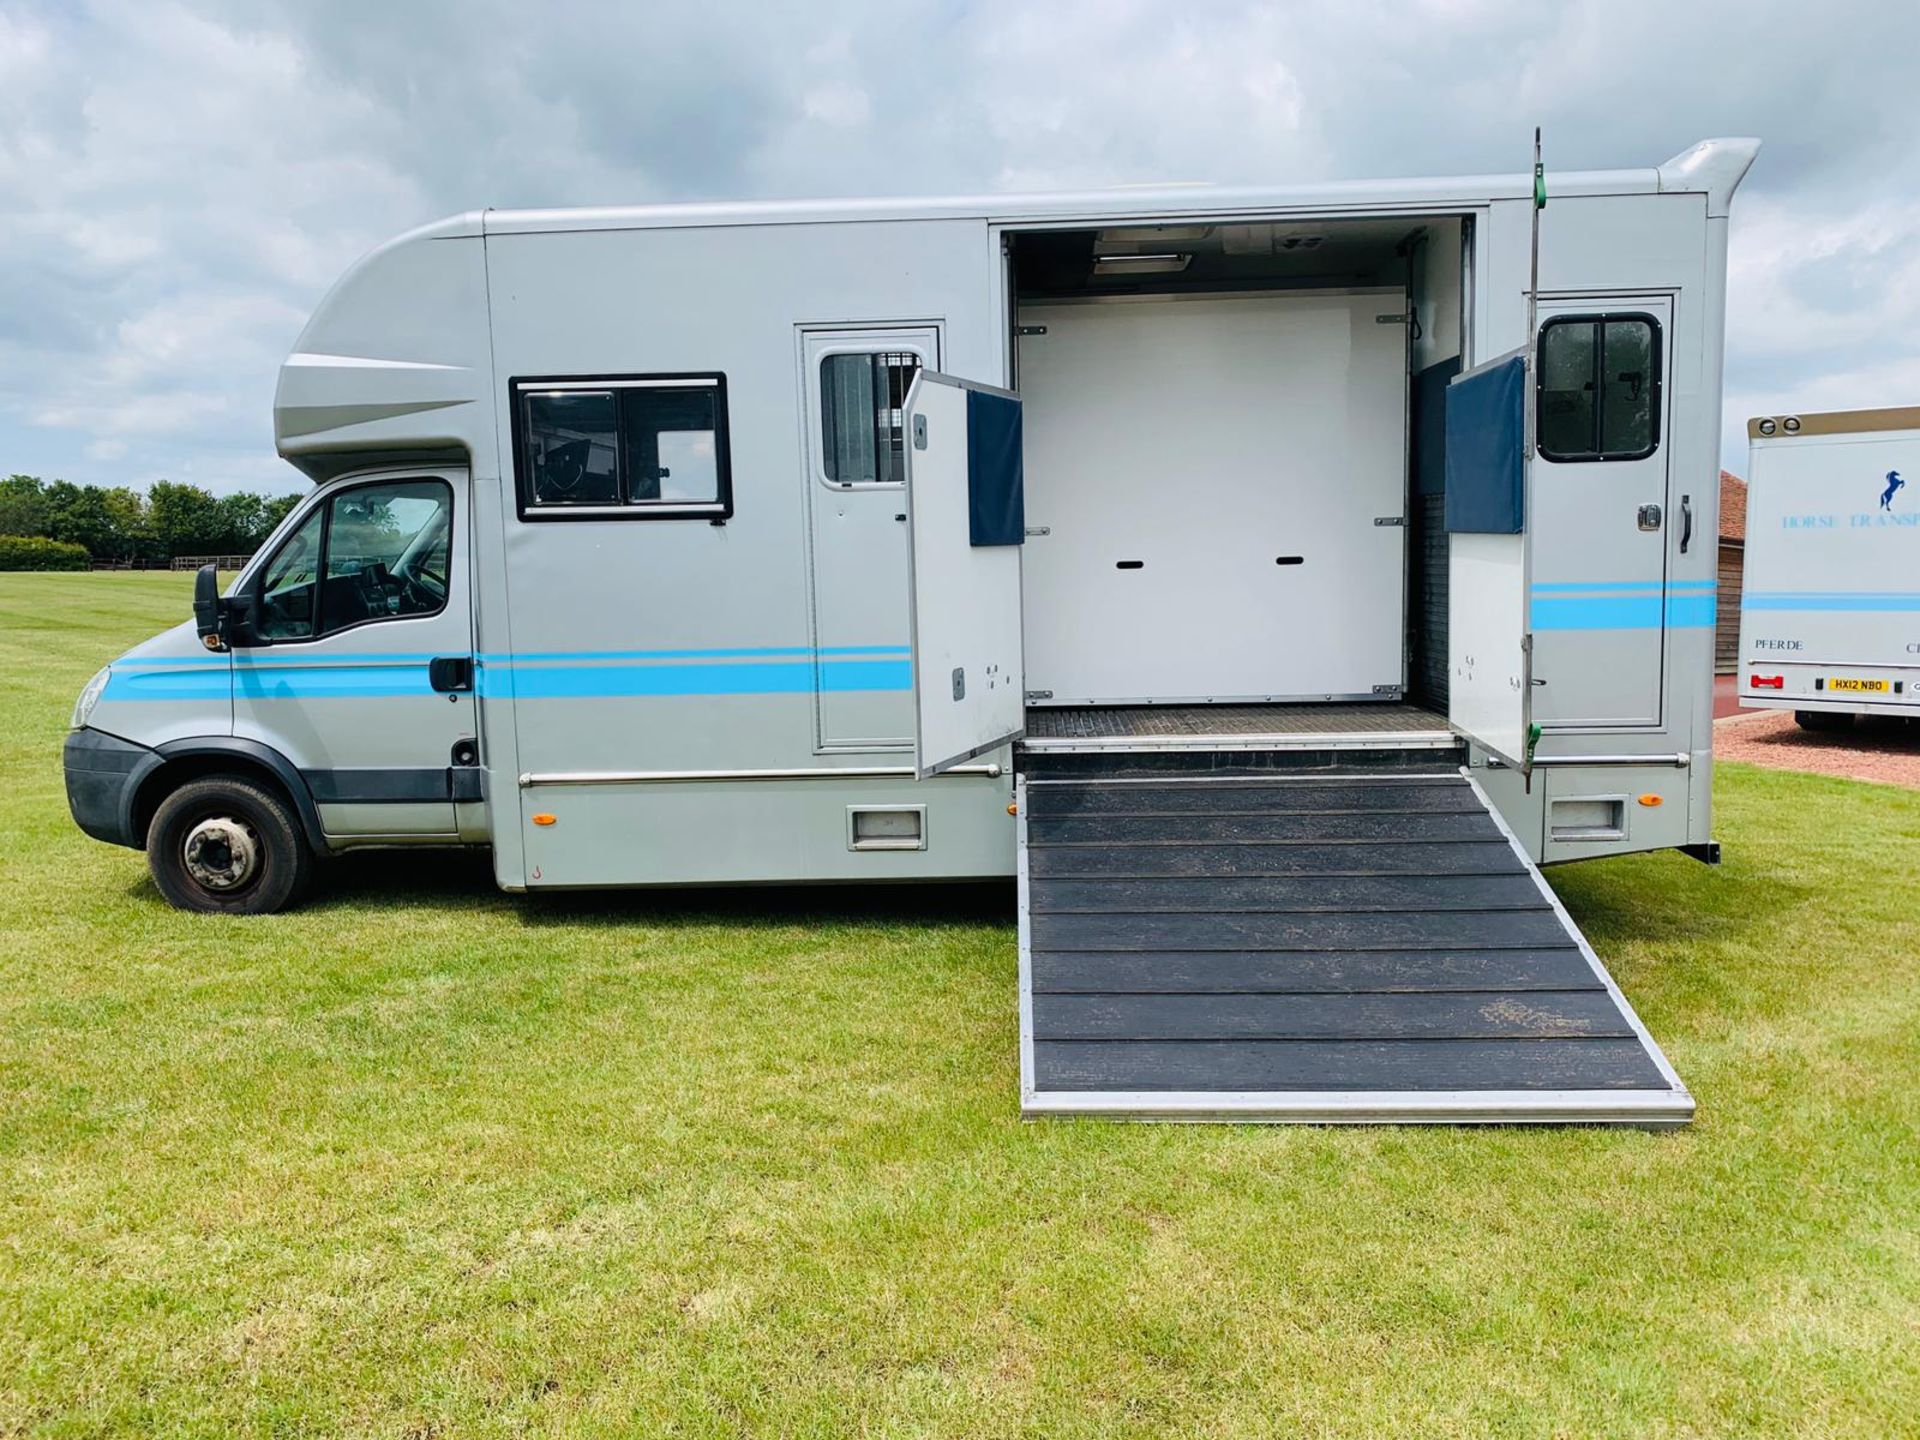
(1437, 293)
(1192, 440)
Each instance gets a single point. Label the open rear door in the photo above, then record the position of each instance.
(966, 521)
(1489, 565)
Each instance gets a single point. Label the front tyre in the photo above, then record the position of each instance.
(226, 846)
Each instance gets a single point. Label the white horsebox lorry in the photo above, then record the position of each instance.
(1270, 579)
(1830, 602)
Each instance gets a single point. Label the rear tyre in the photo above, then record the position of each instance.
(1825, 722)
(227, 846)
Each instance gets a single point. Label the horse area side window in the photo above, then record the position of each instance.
(627, 448)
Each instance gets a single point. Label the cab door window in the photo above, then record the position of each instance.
(290, 586)
(373, 552)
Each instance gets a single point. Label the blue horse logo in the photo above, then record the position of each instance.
(1894, 482)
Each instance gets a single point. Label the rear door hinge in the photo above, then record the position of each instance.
(1039, 694)
(1389, 519)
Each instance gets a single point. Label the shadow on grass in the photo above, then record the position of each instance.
(1667, 898)
(454, 880)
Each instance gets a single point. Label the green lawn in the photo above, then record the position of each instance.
(423, 1160)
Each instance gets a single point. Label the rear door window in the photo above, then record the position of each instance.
(1598, 392)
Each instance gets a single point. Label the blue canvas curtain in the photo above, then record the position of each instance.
(1486, 451)
(996, 493)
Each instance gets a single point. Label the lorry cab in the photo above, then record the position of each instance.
(325, 701)
(772, 543)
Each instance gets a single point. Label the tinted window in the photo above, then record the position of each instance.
(636, 445)
(289, 586)
(1628, 381)
(860, 403)
(672, 446)
(1566, 389)
(1599, 388)
(573, 439)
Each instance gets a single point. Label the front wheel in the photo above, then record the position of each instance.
(226, 846)
(1823, 722)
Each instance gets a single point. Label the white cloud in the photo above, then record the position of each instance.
(180, 182)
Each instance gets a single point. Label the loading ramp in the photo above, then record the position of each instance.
(1337, 943)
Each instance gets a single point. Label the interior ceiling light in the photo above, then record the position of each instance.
(1164, 232)
(1140, 264)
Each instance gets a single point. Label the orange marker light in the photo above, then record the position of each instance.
(1651, 800)
(1013, 808)
(544, 819)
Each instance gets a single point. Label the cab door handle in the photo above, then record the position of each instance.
(450, 673)
(1650, 517)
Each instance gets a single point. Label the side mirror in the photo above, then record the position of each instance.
(208, 616)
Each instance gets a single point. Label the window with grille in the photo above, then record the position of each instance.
(861, 397)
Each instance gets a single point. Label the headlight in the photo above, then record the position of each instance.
(89, 697)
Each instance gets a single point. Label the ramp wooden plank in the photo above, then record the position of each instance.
(1241, 972)
(1383, 1065)
(1537, 1014)
(1489, 857)
(1257, 829)
(1349, 893)
(1221, 798)
(1350, 931)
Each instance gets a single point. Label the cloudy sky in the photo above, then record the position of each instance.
(180, 182)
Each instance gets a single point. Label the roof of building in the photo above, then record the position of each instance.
(1733, 507)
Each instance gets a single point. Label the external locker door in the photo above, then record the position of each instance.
(966, 520)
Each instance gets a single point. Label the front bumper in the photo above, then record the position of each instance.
(100, 778)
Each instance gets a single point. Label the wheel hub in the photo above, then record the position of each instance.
(221, 853)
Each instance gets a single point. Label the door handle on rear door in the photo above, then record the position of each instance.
(450, 673)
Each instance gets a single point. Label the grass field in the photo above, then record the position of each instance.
(423, 1160)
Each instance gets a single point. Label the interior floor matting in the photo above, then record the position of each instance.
(1165, 721)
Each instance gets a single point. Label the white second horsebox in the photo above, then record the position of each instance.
(1829, 612)
(1270, 579)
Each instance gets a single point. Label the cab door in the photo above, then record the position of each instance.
(356, 657)
(966, 522)
(1600, 600)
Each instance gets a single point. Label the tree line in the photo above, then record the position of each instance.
(118, 523)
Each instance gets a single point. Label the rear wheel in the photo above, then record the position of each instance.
(227, 846)
(1823, 721)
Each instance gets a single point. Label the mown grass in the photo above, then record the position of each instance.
(424, 1160)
